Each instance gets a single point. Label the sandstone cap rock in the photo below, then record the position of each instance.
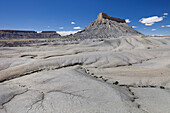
(105, 16)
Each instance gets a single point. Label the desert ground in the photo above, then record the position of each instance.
(129, 74)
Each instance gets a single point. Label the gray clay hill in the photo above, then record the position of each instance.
(106, 26)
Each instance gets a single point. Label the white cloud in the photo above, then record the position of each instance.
(165, 13)
(150, 20)
(134, 26)
(61, 27)
(77, 28)
(48, 26)
(63, 33)
(165, 26)
(127, 20)
(149, 24)
(153, 29)
(73, 23)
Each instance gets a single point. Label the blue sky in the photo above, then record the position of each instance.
(148, 16)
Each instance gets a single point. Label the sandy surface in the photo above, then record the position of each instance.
(80, 78)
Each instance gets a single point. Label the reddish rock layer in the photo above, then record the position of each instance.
(105, 16)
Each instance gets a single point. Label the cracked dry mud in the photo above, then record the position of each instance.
(78, 78)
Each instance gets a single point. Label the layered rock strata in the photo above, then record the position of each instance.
(16, 34)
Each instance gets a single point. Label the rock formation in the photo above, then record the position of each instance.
(16, 34)
(106, 26)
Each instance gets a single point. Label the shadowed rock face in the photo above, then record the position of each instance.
(48, 32)
(16, 31)
(106, 27)
(16, 34)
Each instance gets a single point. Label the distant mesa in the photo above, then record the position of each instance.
(20, 31)
(48, 32)
(19, 34)
(16, 31)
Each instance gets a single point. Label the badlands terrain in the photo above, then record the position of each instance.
(121, 71)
